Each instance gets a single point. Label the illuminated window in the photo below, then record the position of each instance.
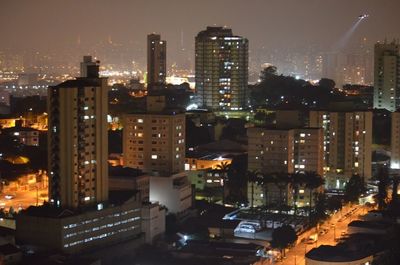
(154, 156)
(140, 120)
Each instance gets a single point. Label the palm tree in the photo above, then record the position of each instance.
(313, 181)
(264, 181)
(296, 180)
(223, 168)
(382, 196)
(281, 180)
(253, 177)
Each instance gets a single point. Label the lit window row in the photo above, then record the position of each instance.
(122, 230)
(101, 218)
(102, 227)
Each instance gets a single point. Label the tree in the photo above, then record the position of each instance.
(253, 178)
(267, 72)
(283, 237)
(281, 180)
(237, 180)
(223, 168)
(296, 181)
(326, 83)
(333, 204)
(320, 207)
(354, 188)
(382, 196)
(313, 181)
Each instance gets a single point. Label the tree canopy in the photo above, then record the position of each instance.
(354, 188)
(283, 237)
(277, 90)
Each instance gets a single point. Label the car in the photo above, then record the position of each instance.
(323, 231)
(310, 241)
(9, 196)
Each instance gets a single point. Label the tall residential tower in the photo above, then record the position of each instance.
(347, 144)
(221, 69)
(386, 73)
(156, 60)
(77, 140)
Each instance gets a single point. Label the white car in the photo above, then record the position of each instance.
(9, 196)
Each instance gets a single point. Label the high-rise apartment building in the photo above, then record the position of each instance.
(78, 139)
(285, 150)
(347, 144)
(156, 60)
(386, 72)
(276, 151)
(82, 215)
(154, 141)
(221, 69)
(395, 141)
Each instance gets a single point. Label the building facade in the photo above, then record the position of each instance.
(78, 140)
(156, 60)
(282, 151)
(221, 64)
(347, 144)
(73, 232)
(386, 72)
(155, 142)
(175, 192)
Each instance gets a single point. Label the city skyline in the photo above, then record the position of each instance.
(123, 25)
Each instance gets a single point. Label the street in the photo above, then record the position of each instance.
(336, 227)
(23, 199)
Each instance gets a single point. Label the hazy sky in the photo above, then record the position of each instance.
(38, 24)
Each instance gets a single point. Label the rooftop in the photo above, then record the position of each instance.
(51, 211)
(120, 171)
(206, 155)
(167, 112)
(357, 247)
(222, 146)
(370, 224)
(79, 82)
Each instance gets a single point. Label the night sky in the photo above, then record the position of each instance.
(38, 24)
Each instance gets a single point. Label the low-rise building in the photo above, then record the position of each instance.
(153, 221)
(175, 192)
(359, 249)
(72, 230)
(369, 227)
(125, 178)
(206, 160)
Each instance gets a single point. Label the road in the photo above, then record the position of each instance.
(336, 226)
(23, 199)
